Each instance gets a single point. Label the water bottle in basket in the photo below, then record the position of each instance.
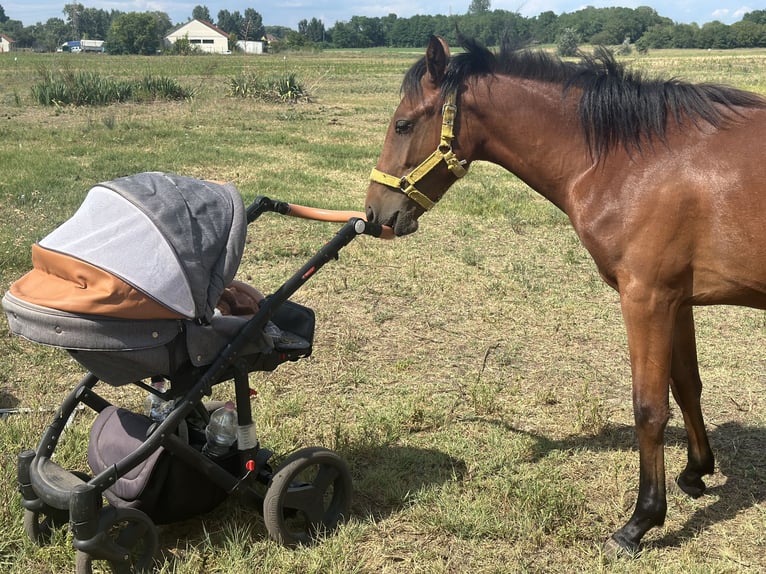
(221, 431)
(155, 407)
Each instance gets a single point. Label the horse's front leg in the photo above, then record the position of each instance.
(687, 389)
(649, 317)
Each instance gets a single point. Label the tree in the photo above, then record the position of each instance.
(566, 45)
(277, 31)
(345, 35)
(164, 23)
(54, 33)
(73, 13)
(16, 30)
(478, 6)
(92, 23)
(716, 35)
(545, 27)
(756, 17)
(748, 34)
(230, 22)
(252, 25)
(3, 17)
(134, 33)
(201, 13)
(313, 31)
(294, 39)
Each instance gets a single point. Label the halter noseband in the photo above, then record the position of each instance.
(407, 184)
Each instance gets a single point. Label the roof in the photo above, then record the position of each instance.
(205, 23)
(213, 27)
(7, 39)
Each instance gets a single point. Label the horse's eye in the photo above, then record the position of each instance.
(403, 126)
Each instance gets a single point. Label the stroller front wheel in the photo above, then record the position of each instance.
(39, 525)
(309, 495)
(125, 533)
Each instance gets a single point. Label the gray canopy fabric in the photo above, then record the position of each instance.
(177, 239)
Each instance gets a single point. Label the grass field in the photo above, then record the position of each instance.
(475, 375)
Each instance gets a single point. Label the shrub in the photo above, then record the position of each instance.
(160, 88)
(566, 44)
(286, 89)
(625, 49)
(91, 89)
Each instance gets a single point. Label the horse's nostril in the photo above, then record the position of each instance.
(370, 214)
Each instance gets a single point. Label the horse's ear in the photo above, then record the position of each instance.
(437, 55)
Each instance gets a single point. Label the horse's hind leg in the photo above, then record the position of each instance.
(687, 390)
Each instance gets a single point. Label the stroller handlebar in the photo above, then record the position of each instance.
(263, 204)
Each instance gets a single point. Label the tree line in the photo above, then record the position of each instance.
(643, 27)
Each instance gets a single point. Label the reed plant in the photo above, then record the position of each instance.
(286, 88)
(90, 88)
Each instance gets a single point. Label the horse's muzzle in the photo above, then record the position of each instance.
(403, 222)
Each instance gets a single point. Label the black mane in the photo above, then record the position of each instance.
(617, 107)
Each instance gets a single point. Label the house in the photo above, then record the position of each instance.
(6, 43)
(204, 35)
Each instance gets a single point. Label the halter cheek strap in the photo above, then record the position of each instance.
(408, 184)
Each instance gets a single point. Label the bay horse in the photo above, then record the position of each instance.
(664, 182)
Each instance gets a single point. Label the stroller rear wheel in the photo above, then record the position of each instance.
(309, 495)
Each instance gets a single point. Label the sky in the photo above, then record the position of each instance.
(290, 12)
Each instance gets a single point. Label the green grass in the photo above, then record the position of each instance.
(474, 375)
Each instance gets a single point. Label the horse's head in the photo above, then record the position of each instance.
(417, 164)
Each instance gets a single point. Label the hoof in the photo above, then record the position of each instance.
(615, 549)
(694, 487)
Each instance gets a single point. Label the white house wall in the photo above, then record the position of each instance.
(202, 36)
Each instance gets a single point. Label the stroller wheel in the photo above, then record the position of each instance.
(126, 531)
(309, 495)
(39, 525)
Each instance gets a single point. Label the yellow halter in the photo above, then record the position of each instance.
(407, 184)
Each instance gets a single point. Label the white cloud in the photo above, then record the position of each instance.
(739, 12)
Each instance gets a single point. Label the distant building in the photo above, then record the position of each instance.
(204, 35)
(250, 47)
(6, 43)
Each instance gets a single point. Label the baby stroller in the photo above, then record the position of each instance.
(131, 286)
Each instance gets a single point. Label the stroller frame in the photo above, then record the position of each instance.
(53, 496)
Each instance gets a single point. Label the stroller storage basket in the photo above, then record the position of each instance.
(164, 486)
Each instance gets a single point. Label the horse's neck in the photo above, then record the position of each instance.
(533, 131)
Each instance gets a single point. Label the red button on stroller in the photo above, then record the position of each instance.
(131, 286)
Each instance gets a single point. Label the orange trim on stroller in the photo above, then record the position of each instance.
(62, 282)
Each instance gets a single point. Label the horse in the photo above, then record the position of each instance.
(664, 182)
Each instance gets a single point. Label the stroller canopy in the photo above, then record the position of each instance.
(147, 246)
